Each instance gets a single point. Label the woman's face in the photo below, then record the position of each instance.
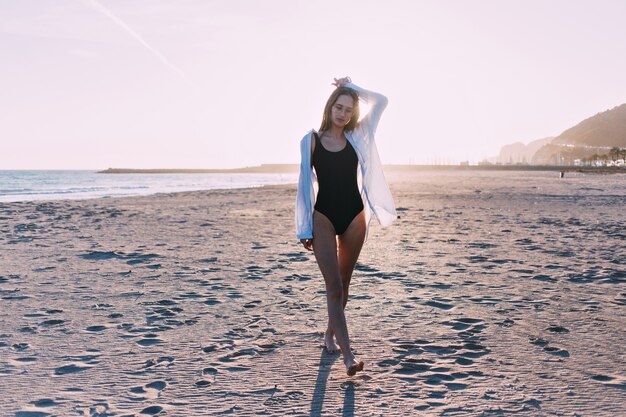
(342, 110)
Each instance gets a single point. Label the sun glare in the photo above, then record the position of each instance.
(364, 109)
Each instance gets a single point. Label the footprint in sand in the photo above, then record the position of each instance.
(26, 359)
(298, 277)
(252, 304)
(611, 381)
(156, 385)
(149, 391)
(412, 366)
(236, 355)
(163, 360)
(149, 339)
(220, 344)
(95, 329)
(406, 347)
(295, 257)
(443, 304)
(462, 323)
(537, 341)
(441, 350)
(265, 348)
(164, 314)
(27, 329)
(428, 405)
(464, 361)
(101, 256)
(282, 400)
(50, 323)
(45, 402)
(286, 291)
(20, 347)
(544, 278)
(506, 323)
(436, 380)
(152, 410)
(210, 371)
(557, 351)
(15, 297)
(602, 378)
(139, 258)
(557, 329)
(388, 363)
(70, 369)
(212, 301)
(255, 273)
(189, 295)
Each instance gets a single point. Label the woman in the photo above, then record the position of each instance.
(336, 226)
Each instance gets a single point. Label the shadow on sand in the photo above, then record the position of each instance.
(348, 399)
(319, 393)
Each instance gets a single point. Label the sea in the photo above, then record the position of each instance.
(60, 185)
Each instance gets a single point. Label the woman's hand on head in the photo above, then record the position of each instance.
(307, 243)
(340, 82)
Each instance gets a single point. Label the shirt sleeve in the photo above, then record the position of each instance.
(377, 103)
(304, 214)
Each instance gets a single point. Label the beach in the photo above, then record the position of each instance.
(493, 294)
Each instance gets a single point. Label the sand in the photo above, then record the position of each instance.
(494, 294)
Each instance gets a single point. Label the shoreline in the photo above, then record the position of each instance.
(292, 168)
(391, 172)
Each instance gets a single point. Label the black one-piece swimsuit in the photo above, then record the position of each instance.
(338, 196)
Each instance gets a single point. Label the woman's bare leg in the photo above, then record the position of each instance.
(350, 245)
(325, 249)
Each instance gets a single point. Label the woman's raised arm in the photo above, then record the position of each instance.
(376, 101)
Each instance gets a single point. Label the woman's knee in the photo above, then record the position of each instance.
(334, 293)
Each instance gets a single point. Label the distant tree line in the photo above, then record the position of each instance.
(614, 155)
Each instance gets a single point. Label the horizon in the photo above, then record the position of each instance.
(226, 85)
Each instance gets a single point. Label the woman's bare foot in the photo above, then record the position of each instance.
(329, 342)
(354, 366)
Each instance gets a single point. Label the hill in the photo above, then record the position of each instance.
(520, 153)
(605, 129)
(595, 135)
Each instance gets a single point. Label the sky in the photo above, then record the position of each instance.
(93, 84)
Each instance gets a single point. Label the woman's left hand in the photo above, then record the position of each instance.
(307, 243)
(340, 82)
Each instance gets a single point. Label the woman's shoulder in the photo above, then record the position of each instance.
(309, 134)
(307, 139)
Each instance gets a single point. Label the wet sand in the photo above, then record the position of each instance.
(494, 294)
